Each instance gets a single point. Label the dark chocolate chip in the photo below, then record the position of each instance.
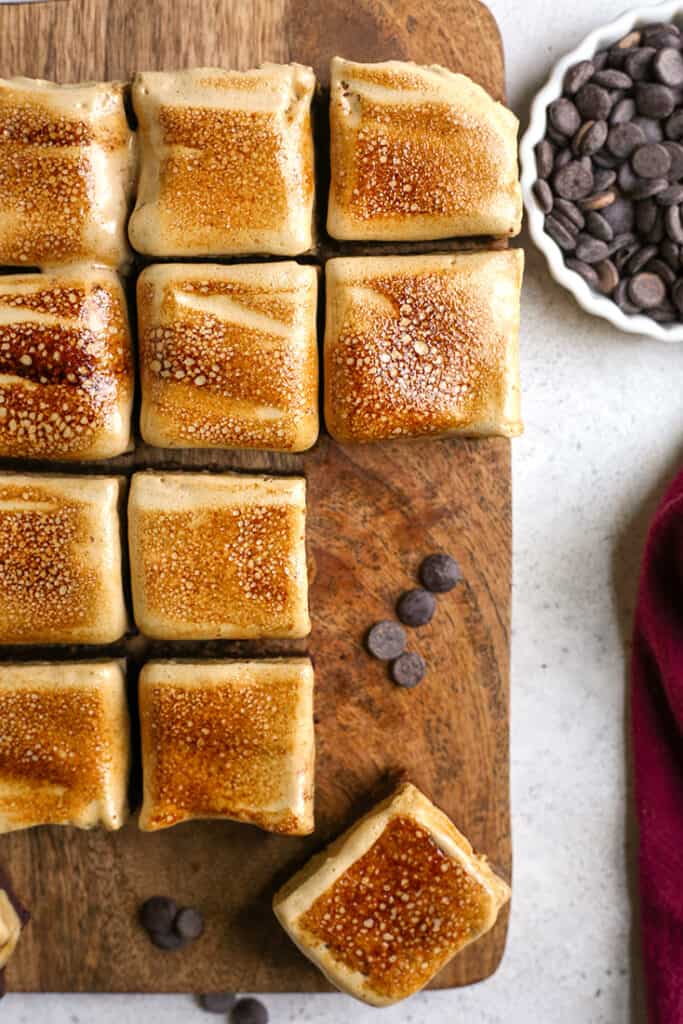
(386, 640)
(622, 257)
(653, 99)
(651, 161)
(637, 63)
(590, 249)
(626, 178)
(598, 200)
(578, 75)
(562, 159)
(640, 258)
(563, 116)
(670, 253)
(673, 129)
(650, 127)
(573, 213)
(608, 276)
(603, 179)
(594, 103)
(677, 295)
(667, 65)
(646, 187)
(646, 212)
(606, 160)
(623, 111)
(661, 269)
(544, 195)
(559, 233)
(584, 270)
(590, 137)
(622, 139)
(672, 224)
(157, 914)
(168, 941)
(189, 923)
(620, 296)
(662, 314)
(675, 151)
(408, 670)
(249, 1011)
(439, 572)
(621, 242)
(565, 222)
(610, 78)
(620, 215)
(557, 137)
(657, 232)
(661, 36)
(616, 58)
(416, 607)
(217, 1002)
(629, 40)
(646, 290)
(672, 194)
(599, 59)
(573, 181)
(545, 155)
(597, 226)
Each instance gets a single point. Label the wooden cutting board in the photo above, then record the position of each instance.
(373, 512)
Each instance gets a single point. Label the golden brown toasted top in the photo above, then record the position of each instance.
(399, 911)
(66, 373)
(66, 159)
(419, 345)
(229, 354)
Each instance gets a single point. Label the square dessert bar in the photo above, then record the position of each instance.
(67, 164)
(228, 739)
(423, 345)
(226, 161)
(60, 560)
(66, 365)
(387, 905)
(229, 356)
(419, 153)
(218, 556)
(64, 745)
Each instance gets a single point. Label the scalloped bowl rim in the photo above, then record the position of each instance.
(589, 300)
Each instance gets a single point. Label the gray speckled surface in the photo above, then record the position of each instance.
(604, 431)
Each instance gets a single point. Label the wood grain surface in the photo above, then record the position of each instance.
(372, 513)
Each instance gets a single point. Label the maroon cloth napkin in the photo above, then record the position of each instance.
(657, 730)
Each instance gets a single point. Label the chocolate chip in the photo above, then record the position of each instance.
(573, 213)
(672, 224)
(168, 941)
(673, 128)
(620, 296)
(640, 258)
(646, 290)
(625, 240)
(626, 178)
(590, 137)
(157, 914)
(599, 227)
(439, 573)
(563, 116)
(623, 111)
(217, 1002)
(565, 222)
(661, 36)
(544, 195)
(657, 232)
(675, 151)
(632, 39)
(562, 159)
(249, 1011)
(559, 233)
(637, 63)
(651, 129)
(651, 161)
(622, 257)
(622, 139)
(646, 212)
(189, 923)
(386, 640)
(653, 100)
(616, 57)
(545, 155)
(610, 78)
(661, 269)
(599, 200)
(662, 314)
(584, 270)
(578, 75)
(589, 249)
(408, 670)
(668, 66)
(603, 179)
(416, 607)
(599, 59)
(608, 276)
(619, 215)
(557, 137)
(646, 187)
(573, 181)
(672, 194)
(594, 103)
(669, 252)
(677, 295)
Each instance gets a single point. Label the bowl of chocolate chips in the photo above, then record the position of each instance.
(602, 172)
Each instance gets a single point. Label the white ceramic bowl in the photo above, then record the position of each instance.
(591, 301)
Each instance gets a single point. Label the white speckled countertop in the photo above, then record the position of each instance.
(604, 431)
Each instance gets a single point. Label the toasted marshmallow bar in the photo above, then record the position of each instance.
(218, 556)
(228, 739)
(64, 745)
(227, 161)
(229, 356)
(66, 172)
(60, 560)
(387, 905)
(423, 345)
(419, 153)
(66, 365)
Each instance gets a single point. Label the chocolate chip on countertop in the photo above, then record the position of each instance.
(667, 65)
(189, 923)
(675, 151)
(408, 670)
(578, 75)
(608, 276)
(622, 139)
(584, 270)
(670, 195)
(637, 63)
(610, 78)
(563, 116)
(386, 640)
(673, 128)
(651, 161)
(559, 233)
(654, 100)
(572, 212)
(217, 1002)
(597, 226)
(545, 154)
(439, 573)
(416, 607)
(623, 111)
(590, 249)
(249, 1011)
(544, 195)
(157, 914)
(168, 941)
(646, 290)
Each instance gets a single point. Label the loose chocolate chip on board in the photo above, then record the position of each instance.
(650, 127)
(667, 65)
(386, 640)
(651, 161)
(608, 276)
(622, 139)
(559, 233)
(544, 195)
(439, 573)
(573, 181)
(646, 212)
(570, 211)
(416, 607)
(563, 116)
(578, 75)
(603, 179)
(637, 63)
(672, 224)
(670, 253)
(654, 100)
(646, 187)
(168, 941)
(545, 155)
(249, 1011)
(619, 215)
(157, 914)
(677, 295)
(620, 296)
(217, 1002)
(584, 270)
(675, 151)
(598, 200)
(673, 129)
(610, 78)
(623, 111)
(644, 254)
(594, 103)
(189, 923)
(646, 290)
(597, 226)
(661, 269)
(408, 670)
(590, 250)
(670, 195)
